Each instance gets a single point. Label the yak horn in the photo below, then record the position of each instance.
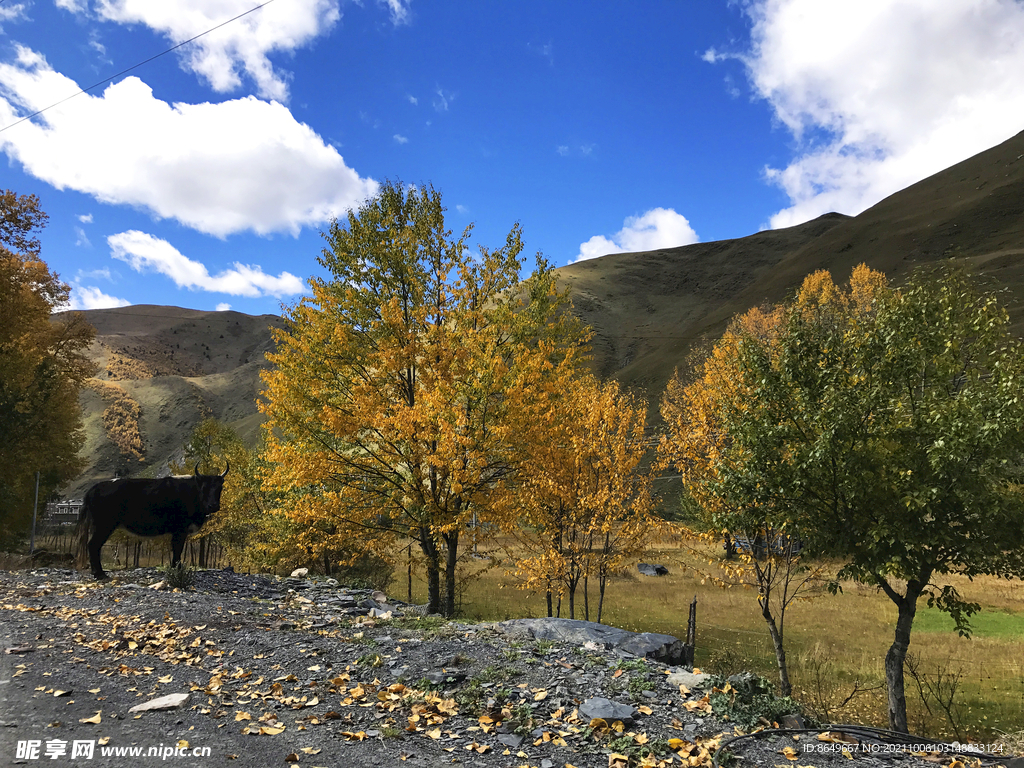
(226, 469)
(196, 470)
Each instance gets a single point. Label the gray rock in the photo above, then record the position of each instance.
(692, 680)
(300, 573)
(792, 721)
(170, 701)
(511, 740)
(650, 569)
(606, 709)
(664, 648)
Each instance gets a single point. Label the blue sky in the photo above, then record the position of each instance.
(202, 179)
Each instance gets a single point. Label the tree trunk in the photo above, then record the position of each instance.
(408, 574)
(785, 687)
(548, 596)
(586, 597)
(897, 655)
(429, 547)
(451, 541)
(602, 582)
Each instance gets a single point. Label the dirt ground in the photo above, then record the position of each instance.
(294, 672)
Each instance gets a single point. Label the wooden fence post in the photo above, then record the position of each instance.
(691, 635)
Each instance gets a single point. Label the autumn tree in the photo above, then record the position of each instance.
(394, 405)
(884, 426)
(583, 506)
(696, 444)
(42, 367)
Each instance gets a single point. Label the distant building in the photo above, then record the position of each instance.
(60, 513)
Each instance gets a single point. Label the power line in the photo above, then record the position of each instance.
(134, 66)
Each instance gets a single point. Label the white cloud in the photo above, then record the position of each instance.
(144, 253)
(89, 297)
(81, 239)
(218, 168)
(93, 274)
(12, 13)
(401, 139)
(75, 6)
(412, 99)
(658, 228)
(580, 150)
(462, 209)
(399, 10)
(223, 307)
(241, 46)
(85, 218)
(442, 99)
(881, 94)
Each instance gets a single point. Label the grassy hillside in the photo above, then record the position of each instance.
(648, 309)
(162, 370)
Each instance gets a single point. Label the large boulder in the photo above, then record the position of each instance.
(664, 648)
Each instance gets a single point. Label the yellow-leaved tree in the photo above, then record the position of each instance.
(585, 505)
(396, 404)
(42, 368)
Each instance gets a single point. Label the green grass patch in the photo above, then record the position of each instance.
(997, 624)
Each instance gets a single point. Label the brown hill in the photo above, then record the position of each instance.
(647, 309)
(162, 370)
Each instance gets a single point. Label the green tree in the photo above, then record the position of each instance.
(392, 408)
(882, 425)
(42, 367)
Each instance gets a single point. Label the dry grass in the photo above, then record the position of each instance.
(836, 645)
(120, 418)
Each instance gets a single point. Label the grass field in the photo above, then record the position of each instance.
(835, 644)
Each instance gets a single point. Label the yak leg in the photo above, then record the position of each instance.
(96, 541)
(177, 546)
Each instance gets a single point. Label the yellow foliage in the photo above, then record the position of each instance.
(695, 442)
(581, 507)
(42, 367)
(395, 408)
(120, 418)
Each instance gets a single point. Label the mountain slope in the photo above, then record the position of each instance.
(178, 367)
(648, 309)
